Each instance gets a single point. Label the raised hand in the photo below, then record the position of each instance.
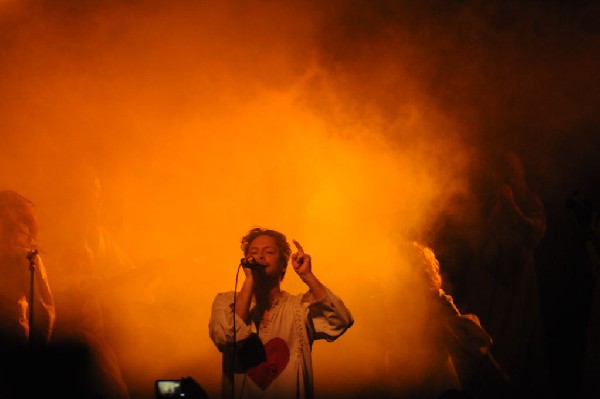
(301, 261)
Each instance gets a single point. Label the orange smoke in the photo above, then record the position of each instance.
(202, 122)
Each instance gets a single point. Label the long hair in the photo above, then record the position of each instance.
(425, 265)
(18, 220)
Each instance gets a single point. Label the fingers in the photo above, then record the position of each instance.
(300, 255)
(299, 247)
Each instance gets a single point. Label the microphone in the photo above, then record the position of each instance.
(252, 264)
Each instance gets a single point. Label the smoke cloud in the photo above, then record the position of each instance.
(348, 125)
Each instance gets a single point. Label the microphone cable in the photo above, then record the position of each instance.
(233, 356)
(234, 333)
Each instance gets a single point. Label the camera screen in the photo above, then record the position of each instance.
(168, 389)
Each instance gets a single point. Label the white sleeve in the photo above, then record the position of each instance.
(220, 325)
(327, 319)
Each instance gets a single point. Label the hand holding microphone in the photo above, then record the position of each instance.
(251, 263)
(31, 258)
(32, 254)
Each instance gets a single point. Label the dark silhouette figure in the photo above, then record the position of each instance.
(426, 346)
(501, 286)
(587, 216)
(86, 264)
(27, 312)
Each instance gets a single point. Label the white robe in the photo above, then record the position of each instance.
(287, 335)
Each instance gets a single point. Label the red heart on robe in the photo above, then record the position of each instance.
(278, 356)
